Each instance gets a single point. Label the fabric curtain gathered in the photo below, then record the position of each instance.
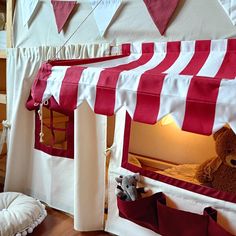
(57, 181)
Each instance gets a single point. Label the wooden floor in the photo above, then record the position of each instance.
(58, 224)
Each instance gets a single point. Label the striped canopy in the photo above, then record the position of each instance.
(194, 81)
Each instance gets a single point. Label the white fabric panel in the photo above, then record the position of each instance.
(171, 90)
(127, 84)
(89, 76)
(225, 113)
(133, 23)
(27, 9)
(176, 197)
(90, 139)
(48, 178)
(54, 82)
(230, 9)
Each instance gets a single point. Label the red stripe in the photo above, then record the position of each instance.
(173, 51)
(106, 87)
(40, 82)
(148, 98)
(201, 105)
(202, 51)
(228, 67)
(69, 88)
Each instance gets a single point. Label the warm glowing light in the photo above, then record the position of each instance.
(167, 120)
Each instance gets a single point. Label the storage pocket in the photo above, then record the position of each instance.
(173, 222)
(152, 213)
(213, 228)
(142, 212)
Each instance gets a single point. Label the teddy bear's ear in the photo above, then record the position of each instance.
(220, 132)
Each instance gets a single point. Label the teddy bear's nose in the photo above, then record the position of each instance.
(233, 162)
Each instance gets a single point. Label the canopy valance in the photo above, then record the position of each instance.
(194, 81)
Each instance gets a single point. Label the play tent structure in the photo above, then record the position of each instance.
(58, 112)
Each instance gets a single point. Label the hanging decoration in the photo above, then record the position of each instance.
(62, 11)
(161, 12)
(28, 8)
(104, 13)
(230, 8)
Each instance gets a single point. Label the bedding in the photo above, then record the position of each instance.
(184, 172)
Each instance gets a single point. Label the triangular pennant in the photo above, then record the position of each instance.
(161, 11)
(62, 11)
(103, 13)
(28, 7)
(230, 8)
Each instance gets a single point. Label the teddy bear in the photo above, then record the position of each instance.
(220, 172)
(127, 187)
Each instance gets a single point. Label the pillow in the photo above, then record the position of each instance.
(19, 214)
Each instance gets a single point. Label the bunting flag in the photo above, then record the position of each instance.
(62, 11)
(104, 12)
(230, 8)
(28, 7)
(161, 12)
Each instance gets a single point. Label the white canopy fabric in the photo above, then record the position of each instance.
(191, 80)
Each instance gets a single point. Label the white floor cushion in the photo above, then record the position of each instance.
(19, 214)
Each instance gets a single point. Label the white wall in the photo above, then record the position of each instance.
(170, 143)
(167, 143)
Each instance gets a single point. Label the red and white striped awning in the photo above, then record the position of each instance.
(194, 81)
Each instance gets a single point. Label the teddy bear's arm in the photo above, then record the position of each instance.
(205, 171)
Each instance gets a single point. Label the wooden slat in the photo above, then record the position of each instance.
(3, 99)
(10, 10)
(3, 54)
(57, 223)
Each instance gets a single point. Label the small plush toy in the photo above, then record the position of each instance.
(220, 172)
(127, 187)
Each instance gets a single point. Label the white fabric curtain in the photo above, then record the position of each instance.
(54, 180)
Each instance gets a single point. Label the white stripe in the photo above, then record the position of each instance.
(87, 86)
(186, 54)
(225, 105)
(215, 58)
(129, 80)
(126, 92)
(54, 83)
(173, 97)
